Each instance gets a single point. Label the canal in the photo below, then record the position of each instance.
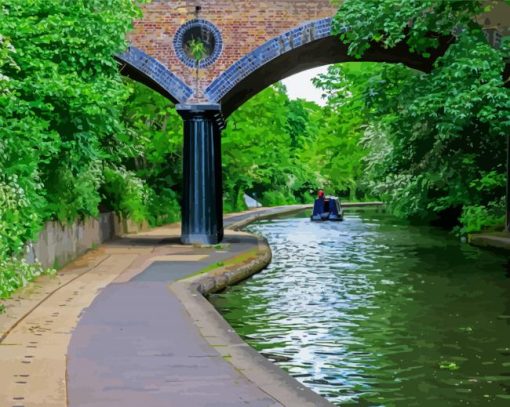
(376, 312)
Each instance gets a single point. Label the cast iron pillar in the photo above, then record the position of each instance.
(202, 204)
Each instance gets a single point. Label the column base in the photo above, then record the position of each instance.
(200, 239)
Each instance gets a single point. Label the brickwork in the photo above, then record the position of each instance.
(268, 51)
(261, 42)
(244, 24)
(154, 71)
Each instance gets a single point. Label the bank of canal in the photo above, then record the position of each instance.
(374, 312)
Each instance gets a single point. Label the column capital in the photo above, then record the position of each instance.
(208, 110)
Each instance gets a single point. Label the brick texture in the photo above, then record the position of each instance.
(253, 33)
(245, 25)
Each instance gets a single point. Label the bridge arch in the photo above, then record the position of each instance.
(304, 47)
(145, 69)
(262, 43)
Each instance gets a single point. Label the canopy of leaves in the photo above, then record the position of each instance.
(262, 148)
(435, 143)
(417, 22)
(73, 132)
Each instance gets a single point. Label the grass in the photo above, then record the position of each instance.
(217, 247)
(227, 263)
(211, 267)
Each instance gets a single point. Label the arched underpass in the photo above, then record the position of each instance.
(244, 55)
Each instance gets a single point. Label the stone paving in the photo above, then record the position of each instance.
(109, 330)
(135, 345)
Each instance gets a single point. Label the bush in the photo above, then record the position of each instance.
(277, 198)
(19, 219)
(477, 218)
(16, 273)
(164, 208)
(128, 195)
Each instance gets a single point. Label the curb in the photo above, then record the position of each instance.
(268, 377)
(221, 278)
(285, 210)
(496, 240)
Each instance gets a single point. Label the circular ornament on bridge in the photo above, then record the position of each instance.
(198, 31)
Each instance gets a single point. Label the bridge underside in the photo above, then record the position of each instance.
(326, 51)
(137, 65)
(204, 110)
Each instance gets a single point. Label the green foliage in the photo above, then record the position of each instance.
(262, 150)
(75, 136)
(197, 49)
(390, 22)
(128, 194)
(15, 273)
(18, 217)
(337, 151)
(69, 121)
(61, 96)
(277, 198)
(164, 207)
(150, 151)
(21, 201)
(477, 217)
(435, 143)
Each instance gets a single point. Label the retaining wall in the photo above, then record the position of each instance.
(59, 244)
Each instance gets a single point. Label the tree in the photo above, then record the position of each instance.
(443, 133)
(262, 148)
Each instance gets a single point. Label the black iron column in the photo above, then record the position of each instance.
(202, 206)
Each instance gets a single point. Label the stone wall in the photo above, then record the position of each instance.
(59, 244)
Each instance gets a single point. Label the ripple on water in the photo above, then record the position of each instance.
(374, 312)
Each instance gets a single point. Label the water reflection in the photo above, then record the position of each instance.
(374, 312)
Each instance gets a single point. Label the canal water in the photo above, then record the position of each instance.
(375, 312)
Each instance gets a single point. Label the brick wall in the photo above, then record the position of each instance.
(244, 25)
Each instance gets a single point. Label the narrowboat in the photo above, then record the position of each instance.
(327, 209)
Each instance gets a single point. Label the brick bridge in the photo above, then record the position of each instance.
(249, 44)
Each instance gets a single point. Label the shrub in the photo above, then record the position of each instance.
(477, 218)
(277, 198)
(16, 273)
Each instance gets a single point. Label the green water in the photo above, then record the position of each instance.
(374, 312)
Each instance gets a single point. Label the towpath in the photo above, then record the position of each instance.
(122, 327)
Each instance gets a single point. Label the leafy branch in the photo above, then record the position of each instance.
(198, 50)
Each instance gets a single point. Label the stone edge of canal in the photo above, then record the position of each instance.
(221, 336)
(495, 240)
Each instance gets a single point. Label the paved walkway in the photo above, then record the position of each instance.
(136, 346)
(109, 330)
